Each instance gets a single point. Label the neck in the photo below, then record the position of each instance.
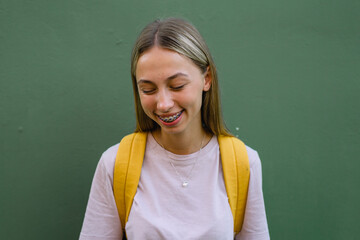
(182, 143)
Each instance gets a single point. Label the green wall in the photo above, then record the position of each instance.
(290, 81)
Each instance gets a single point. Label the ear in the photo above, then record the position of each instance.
(207, 80)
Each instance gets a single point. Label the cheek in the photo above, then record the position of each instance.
(193, 100)
(146, 103)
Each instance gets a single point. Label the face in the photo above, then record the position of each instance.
(170, 88)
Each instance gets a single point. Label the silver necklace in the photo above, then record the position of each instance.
(185, 181)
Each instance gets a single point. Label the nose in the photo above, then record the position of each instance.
(164, 101)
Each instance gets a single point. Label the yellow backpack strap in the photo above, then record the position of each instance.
(236, 171)
(127, 172)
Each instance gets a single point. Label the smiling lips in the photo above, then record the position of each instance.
(171, 119)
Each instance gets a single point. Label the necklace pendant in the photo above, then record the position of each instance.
(185, 183)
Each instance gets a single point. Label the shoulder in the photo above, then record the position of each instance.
(110, 153)
(107, 160)
(108, 157)
(252, 154)
(254, 159)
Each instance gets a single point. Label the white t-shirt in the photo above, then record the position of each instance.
(164, 209)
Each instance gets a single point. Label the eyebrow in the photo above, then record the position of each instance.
(167, 79)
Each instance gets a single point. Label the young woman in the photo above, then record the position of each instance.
(181, 192)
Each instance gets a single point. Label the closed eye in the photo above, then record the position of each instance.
(178, 87)
(147, 91)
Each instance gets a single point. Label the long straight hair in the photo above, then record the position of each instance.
(182, 37)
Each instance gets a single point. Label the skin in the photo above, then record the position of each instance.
(170, 84)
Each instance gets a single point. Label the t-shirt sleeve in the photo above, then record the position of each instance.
(101, 217)
(255, 225)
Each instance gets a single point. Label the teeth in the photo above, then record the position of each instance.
(171, 118)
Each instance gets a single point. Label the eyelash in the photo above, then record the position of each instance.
(147, 91)
(178, 88)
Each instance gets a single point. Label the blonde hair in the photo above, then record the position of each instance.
(180, 36)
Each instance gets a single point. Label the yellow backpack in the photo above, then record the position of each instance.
(129, 159)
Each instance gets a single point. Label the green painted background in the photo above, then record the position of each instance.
(290, 81)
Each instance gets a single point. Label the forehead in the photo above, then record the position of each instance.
(160, 63)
